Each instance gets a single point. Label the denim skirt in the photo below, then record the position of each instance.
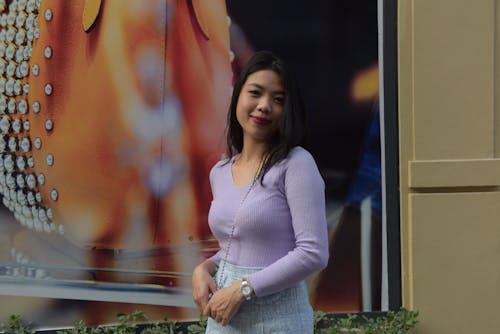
(287, 311)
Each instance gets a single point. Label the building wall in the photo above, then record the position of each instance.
(449, 128)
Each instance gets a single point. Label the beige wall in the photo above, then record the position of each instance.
(449, 71)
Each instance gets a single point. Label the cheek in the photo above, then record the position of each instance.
(242, 110)
(239, 115)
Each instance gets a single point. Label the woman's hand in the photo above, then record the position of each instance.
(224, 303)
(203, 283)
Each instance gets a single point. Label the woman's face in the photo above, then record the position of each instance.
(260, 105)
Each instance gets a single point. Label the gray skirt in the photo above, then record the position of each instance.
(287, 311)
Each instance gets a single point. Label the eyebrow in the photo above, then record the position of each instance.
(262, 87)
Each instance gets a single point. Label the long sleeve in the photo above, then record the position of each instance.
(304, 190)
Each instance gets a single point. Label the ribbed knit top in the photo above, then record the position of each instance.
(280, 225)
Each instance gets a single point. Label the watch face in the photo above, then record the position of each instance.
(246, 290)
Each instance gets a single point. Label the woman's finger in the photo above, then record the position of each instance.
(207, 310)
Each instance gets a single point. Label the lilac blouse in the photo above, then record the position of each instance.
(280, 225)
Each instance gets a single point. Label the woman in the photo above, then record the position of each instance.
(268, 211)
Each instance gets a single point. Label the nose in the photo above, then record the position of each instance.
(264, 105)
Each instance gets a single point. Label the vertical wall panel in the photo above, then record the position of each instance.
(449, 137)
(453, 79)
(457, 281)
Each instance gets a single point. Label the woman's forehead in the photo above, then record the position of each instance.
(266, 79)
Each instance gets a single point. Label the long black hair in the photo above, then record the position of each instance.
(292, 129)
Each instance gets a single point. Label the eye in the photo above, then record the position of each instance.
(279, 100)
(254, 92)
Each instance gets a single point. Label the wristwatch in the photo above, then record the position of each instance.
(246, 289)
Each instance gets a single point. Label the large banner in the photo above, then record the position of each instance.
(112, 113)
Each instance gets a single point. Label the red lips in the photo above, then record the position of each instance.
(260, 120)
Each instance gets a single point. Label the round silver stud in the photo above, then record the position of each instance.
(42, 216)
(20, 54)
(9, 87)
(12, 10)
(11, 68)
(35, 69)
(18, 88)
(26, 125)
(20, 181)
(18, 72)
(26, 88)
(30, 34)
(27, 52)
(48, 89)
(25, 144)
(30, 6)
(16, 125)
(37, 143)
(31, 198)
(27, 210)
(20, 35)
(11, 105)
(38, 197)
(3, 104)
(10, 35)
(20, 19)
(12, 144)
(30, 162)
(36, 33)
(35, 107)
(20, 163)
(21, 199)
(49, 159)
(10, 52)
(48, 14)
(24, 68)
(29, 21)
(50, 215)
(47, 52)
(21, 4)
(5, 124)
(31, 181)
(49, 125)
(34, 211)
(10, 181)
(6, 190)
(54, 195)
(8, 163)
(41, 178)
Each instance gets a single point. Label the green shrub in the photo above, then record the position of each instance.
(401, 322)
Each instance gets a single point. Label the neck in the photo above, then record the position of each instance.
(253, 152)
